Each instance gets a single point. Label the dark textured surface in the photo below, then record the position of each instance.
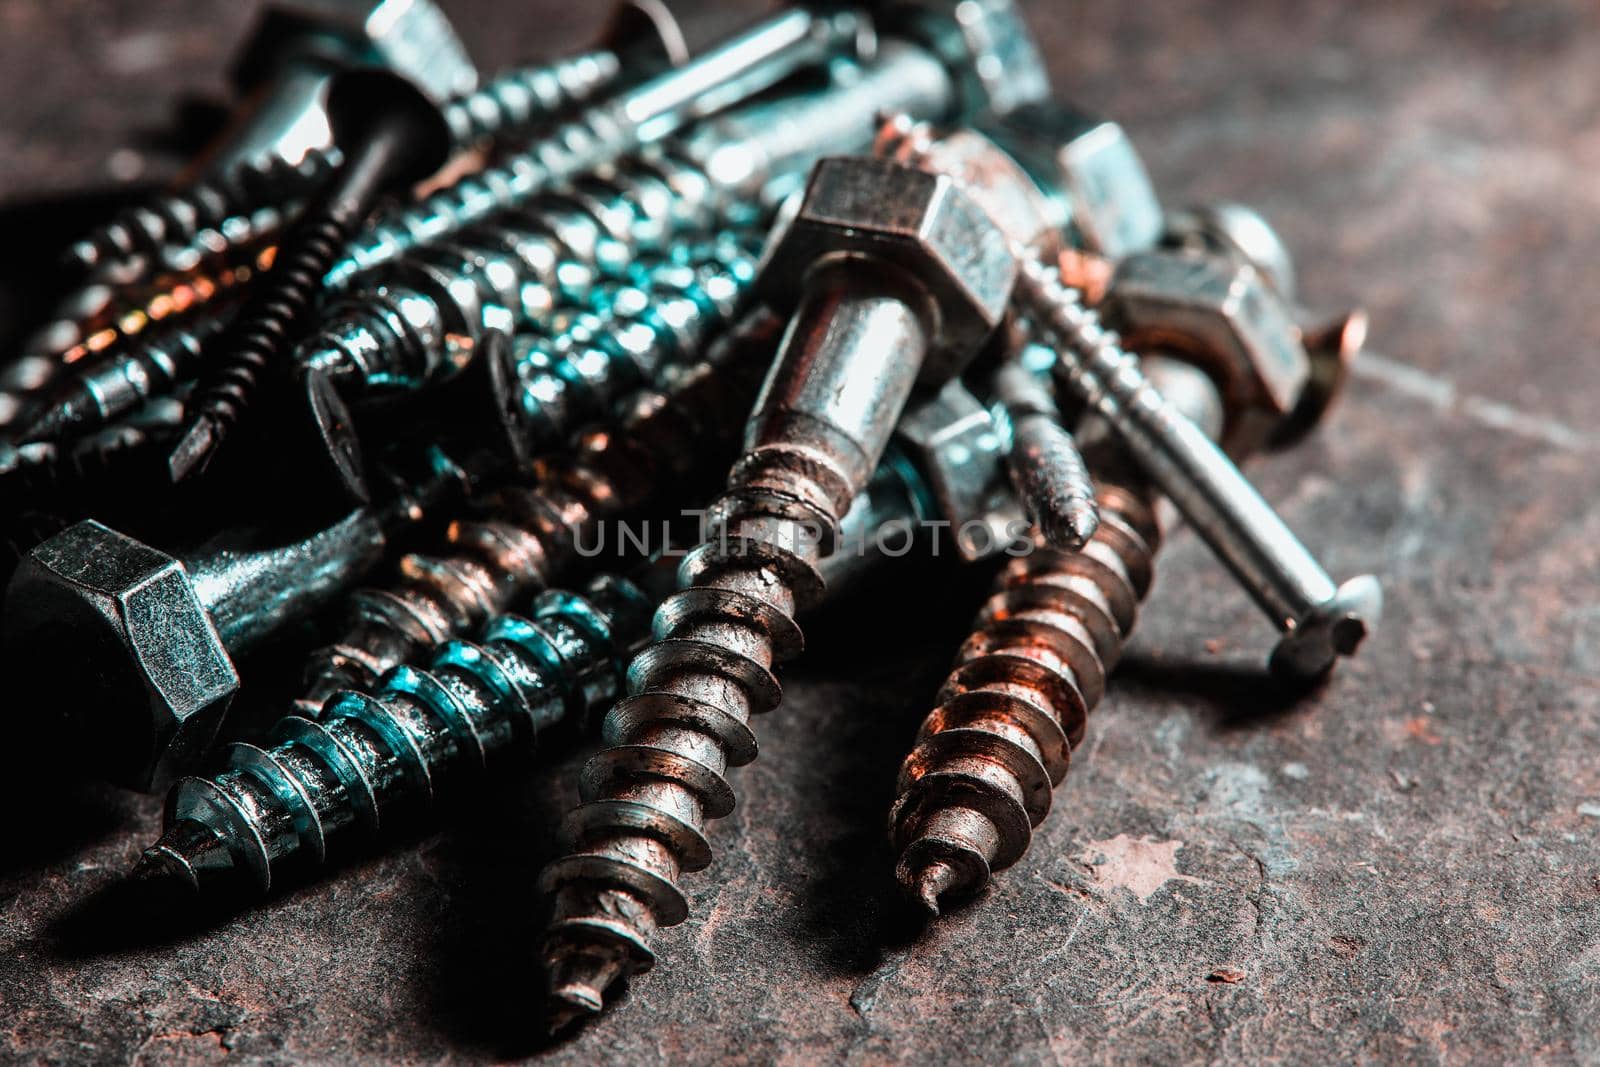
(1405, 866)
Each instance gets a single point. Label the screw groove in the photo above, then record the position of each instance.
(1016, 703)
(377, 754)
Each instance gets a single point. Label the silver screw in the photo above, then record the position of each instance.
(1319, 619)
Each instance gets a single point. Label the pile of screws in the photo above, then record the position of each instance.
(405, 328)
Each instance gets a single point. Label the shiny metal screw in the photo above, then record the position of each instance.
(373, 755)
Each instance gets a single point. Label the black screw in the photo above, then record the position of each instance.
(392, 136)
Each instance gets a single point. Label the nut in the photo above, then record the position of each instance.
(985, 43)
(996, 181)
(413, 38)
(1089, 171)
(99, 617)
(954, 443)
(1235, 230)
(920, 222)
(1223, 315)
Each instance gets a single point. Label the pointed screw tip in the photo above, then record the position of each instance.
(571, 1005)
(928, 883)
(193, 450)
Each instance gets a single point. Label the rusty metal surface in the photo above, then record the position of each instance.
(1405, 866)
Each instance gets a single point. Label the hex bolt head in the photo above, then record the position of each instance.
(1224, 315)
(131, 663)
(920, 222)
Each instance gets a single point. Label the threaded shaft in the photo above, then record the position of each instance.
(687, 424)
(69, 477)
(104, 335)
(224, 204)
(578, 373)
(1047, 471)
(1016, 703)
(259, 333)
(126, 247)
(122, 379)
(693, 691)
(522, 96)
(373, 756)
(399, 325)
(218, 217)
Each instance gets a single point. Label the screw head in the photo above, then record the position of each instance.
(1332, 629)
(368, 104)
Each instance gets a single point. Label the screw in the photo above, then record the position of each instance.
(529, 534)
(371, 755)
(1016, 703)
(106, 622)
(1319, 620)
(1047, 470)
(605, 132)
(664, 308)
(987, 758)
(391, 136)
(74, 478)
(721, 165)
(899, 277)
(1036, 664)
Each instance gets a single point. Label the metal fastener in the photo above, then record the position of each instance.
(391, 136)
(899, 278)
(102, 622)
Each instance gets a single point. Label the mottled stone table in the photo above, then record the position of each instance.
(1404, 866)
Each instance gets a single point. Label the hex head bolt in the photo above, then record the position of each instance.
(900, 278)
(1319, 619)
(109, 622)
(391, 136)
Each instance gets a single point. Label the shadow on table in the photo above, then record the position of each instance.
(1231, 695)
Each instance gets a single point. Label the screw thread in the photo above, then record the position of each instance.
(122, 378)
(264, 324)
(1047, 470)
(578, 373)
(521, 96)
(101, 333)
(667, 433)
(69, 478)
(572, 149)
(374, 755)
(220, 210)
(400, 322)
(693, 691)
(193, 229)
(1016, 703)
(226, 207)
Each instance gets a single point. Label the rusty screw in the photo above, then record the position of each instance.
(1016, 703)
(900, 277)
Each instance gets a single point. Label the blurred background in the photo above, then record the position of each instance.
(1404, 865)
